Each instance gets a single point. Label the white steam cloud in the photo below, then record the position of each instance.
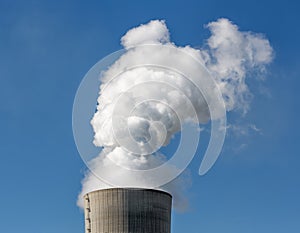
(229, 55)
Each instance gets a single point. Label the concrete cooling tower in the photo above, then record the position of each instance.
(124, 210)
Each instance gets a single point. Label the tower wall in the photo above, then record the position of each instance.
(120, 210)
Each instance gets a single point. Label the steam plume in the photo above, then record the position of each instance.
(229, 55)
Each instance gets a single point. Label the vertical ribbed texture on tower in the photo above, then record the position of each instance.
(120, 210)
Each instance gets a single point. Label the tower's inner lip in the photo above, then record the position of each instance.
(130, 189)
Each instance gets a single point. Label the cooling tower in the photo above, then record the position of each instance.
(120, 210)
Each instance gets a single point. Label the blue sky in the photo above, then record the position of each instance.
(46, 47)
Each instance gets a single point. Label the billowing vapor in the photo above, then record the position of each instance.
(229, 55)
